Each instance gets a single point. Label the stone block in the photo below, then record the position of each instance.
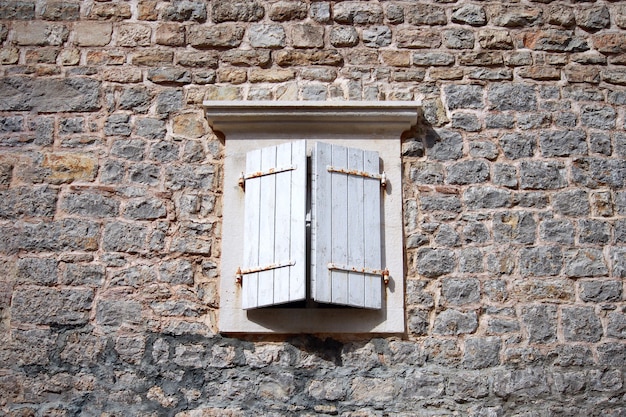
(599, 172)
(199, 177)
(562, 143)
(423, 14)
(267, 36)
(110, 11)
(481, 352)
(467, 172)
(540, 322)
(435, 59)
(17, 10)
(39, 34)
(600, 291)
(592, 18)
(540, 175)
(21, 93)
(36, 271)
(571, 203)
(460, 291)
(89, 204)
(308, 36)
(555, 40)
(217, 36)
(377, 36)
(482, 197)
(124, 237)
(464, 96)
(458, 38)
(593, 231)
(306, 57)
(21, 202)
(445, 145)
(453, 323)
(541, 261)
(168, 101)
(580, 324)
(183, 11)
(466, 121)
(583, 74)
(147, 174)
(176, 272)
(433, 263)
(355, 12)
(83, 275)
(514, 227)
(598, 117)
(505, 175)
(586, 262)
(495, 39)
(132, 149)
(246, 58)
(282, 10)
(469, 14)
(517, 97)
(145, 209)
(237, 10)
(43, 305)
(417, 38)
(557, 231)
(618, 260)
(117, 125)
(92, 34)
(617, 325)
(170, 34)
(116, 312)
(169, 76)
(440, 203)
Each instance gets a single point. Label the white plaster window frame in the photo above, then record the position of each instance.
(248, 125)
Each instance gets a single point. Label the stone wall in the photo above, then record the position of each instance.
(514, 187)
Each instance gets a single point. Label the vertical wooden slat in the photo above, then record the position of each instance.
(297, 248)
(266, 229)
(321, 223)
(251, 230)
(356, 231)
(282, 225)
(339, 225)
(372, 227)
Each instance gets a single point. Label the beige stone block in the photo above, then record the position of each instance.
(133, 35)
(153, 57)
(92, 34)
(39, 33)
(232, 75)
(274, 75)
(147, 10)
(100, 57)
(69, 57)
(9, 56)
(223, 92)
(396, 58)
(190, 125)
(170, 34)
(122, 75)
(70, 167)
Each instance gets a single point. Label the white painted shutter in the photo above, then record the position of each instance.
(274, 226)
(346, 227)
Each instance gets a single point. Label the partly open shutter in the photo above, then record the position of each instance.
(346, 252)
(274, 264)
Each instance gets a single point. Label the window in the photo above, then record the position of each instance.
(309, 235)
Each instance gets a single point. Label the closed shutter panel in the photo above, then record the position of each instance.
(274, 270)
(346, 251)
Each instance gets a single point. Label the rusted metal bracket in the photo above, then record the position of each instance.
(241, 272)
(381, 177)
(243, 177)
(384, 273)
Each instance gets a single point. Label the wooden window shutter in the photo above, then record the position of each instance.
(346, 252)
(274, 264)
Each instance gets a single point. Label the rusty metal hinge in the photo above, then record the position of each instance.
(384, 273)
(243, 177)
(241, 272)
(381, 177)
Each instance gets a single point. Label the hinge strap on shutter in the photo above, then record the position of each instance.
(243, 177)
(384, 273)
(241, 272)
(382, 177)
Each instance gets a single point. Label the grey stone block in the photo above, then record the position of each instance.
(593, 231)
(135, 98)
(600, 142)
(146, 174)
(557, 231)
(514, 227)
(466, 121)
(518, 145)
(433, 263)
(505, 175)
(540, 322)
(562, 143)
(483, 149)
(357, 12)
(580, 324)
(481, 197)
(185, 10)
(528, 383)
(453, 323)
(87, 275)
(470, 14)
(39, 94)
(423, 172)
(618, 260)
(482, 352)
(132, 149)
(446, 236)
(115, 313)
(499, 121)
(459, 291)
(145, 209)
(44, 130)
(598, 117)
(71, 125)
(458, 38)
(600, 291)
(467, 172)
(112, 172)
(43, 305)
(616, 326)
(62, 235)
(243, 11)
(612, 354)
(36, 271)
(476, 232)
(89, 204)
(177, 272)
(445, 145)
(596, 172)
(197, 177)
(169, 101)
(377, 36)
(150, 128)
(585, 263)
(124, 237)
(343, 36)
(573, 203)
(20, 202)
(541, 261)
(539, 175)
(464, 96)
(518, 97)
